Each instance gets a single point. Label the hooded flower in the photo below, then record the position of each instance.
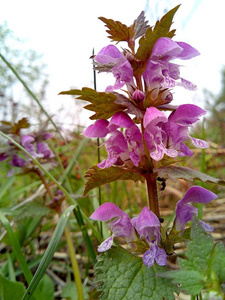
(121, 147)
(185, 211)
(148, 226)
(160, 72)
(177, 128)
(154, 135)
(117, 220)
(116, 63)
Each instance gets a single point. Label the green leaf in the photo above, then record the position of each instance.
(97, 177)
(191, 281)
(121, 275)
(46, 288)
(11, 290)
(147, 42)
(56, 237)
(117, 31)
(177, 172)
(103, 104)
(203, 266)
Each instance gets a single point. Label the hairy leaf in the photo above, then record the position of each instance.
(117, 31)
(161, 29)
(140, 25)
(97, 177)
(177, 172)
(204, 263)
(103, 104)
(121, 275)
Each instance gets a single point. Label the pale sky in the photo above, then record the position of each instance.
(65, 32)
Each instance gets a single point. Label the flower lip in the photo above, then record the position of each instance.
(107, 211)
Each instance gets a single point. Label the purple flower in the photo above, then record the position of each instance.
(154, 135)
(117, 149)
(160, 72)
(122, 148)
(16, 161)
(120, 66)
(27, 142)
(98, 129)
(118, 221)
(148, 226)
(3, 156)
(185, 211)
(177, 128)
(44, 151)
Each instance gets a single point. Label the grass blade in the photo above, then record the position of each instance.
(16, 247)
(84, 231)
(47, 257)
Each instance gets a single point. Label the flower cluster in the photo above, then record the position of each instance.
(147, 226)
(34, 144)
(143, 132)
(163, 135)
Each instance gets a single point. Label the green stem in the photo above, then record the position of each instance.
(153, 203)
(74, 263)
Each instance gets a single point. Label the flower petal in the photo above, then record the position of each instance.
(106, 212)
(106, 245)
(98, 129)
(161, 257)
(148, 258)
(120, 119)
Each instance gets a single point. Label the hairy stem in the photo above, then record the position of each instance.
(153, 203)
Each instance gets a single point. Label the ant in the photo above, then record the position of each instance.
(163, 183)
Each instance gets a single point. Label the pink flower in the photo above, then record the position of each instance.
(177, 128)
(148, 226)
(120, 66)
(185, 211)
(117, 220)
(160, 72)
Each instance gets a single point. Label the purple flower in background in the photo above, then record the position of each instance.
(160, 72)
(154, 135)
(120, 66)
(148, 226)
(117, 220)
(44, 151)
(177, 128)
(185, 211)
(27, 142)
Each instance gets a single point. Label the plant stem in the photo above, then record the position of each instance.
(74, 263)
(39, 173)
(153, 204)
